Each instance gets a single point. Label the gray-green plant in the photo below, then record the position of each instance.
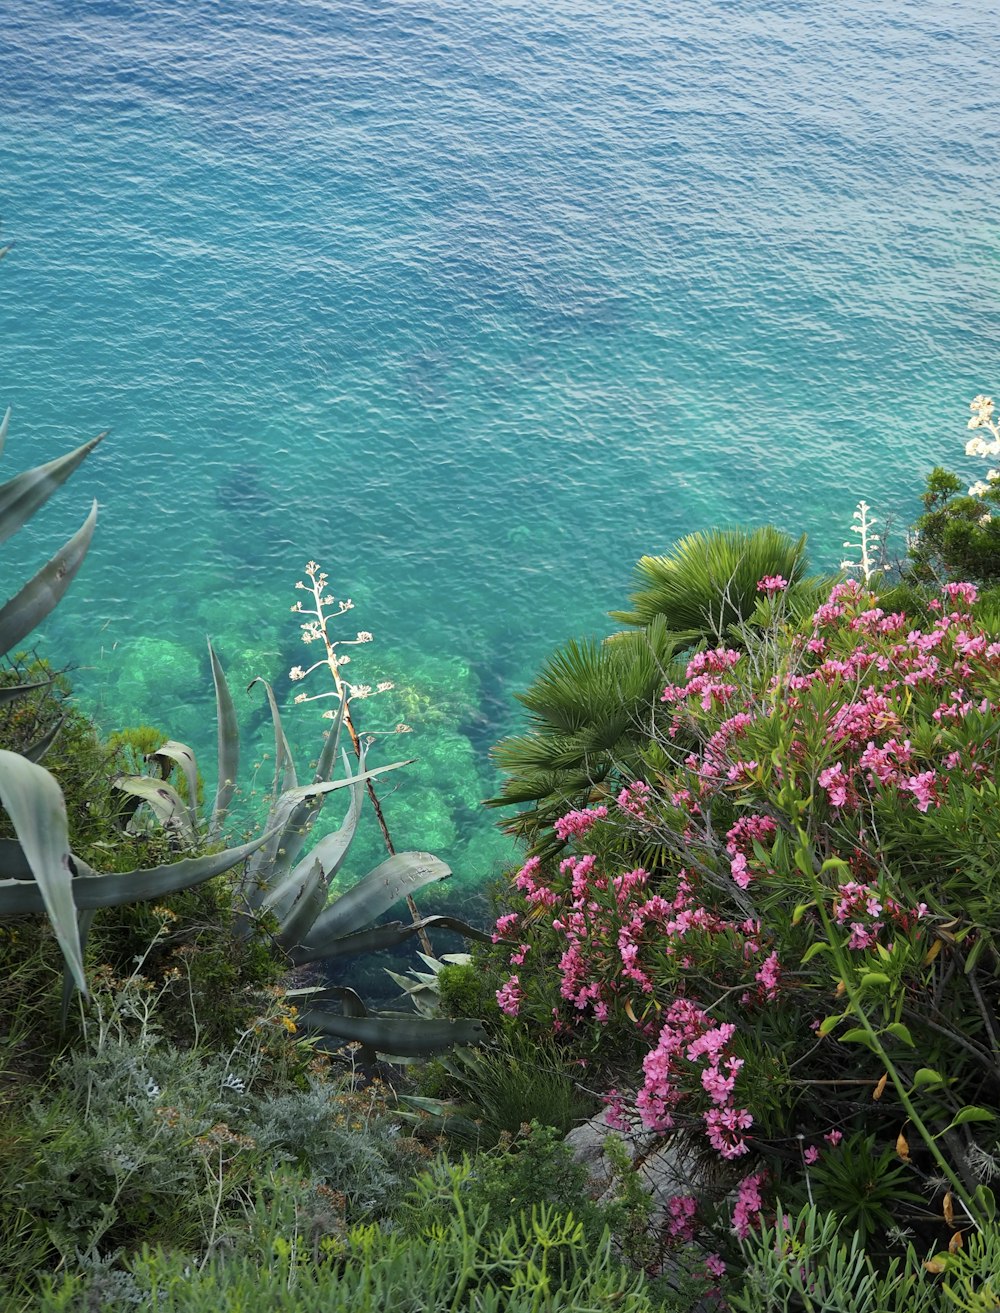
(810, 1264)
(285, 894)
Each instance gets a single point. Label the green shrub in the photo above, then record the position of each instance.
(538, 1262)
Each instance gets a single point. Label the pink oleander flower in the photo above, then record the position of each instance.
(811, 1155)
(748, 1203)
(575, 824)
(833, 1137)
(681, 1209)
(771, 584)
(510, 997)
(715, 1267)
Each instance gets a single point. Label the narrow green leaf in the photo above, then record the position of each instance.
(84, 920)
(12, 691)
(42, 592)
(874, 980)
(814, 950)
(5, 422)
(800, 912)
(284, 766)
(375, 938)
(328, 756)
(21, 496)
(164, 800)
(332, 849)
(830, 1024)
(34, 802)
(228, 746)
(41, 746)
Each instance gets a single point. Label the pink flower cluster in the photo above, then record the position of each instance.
(574, 825)
(771, 584)
(865, 910)
(689, 1044)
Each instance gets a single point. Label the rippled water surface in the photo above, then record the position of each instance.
(473, 304)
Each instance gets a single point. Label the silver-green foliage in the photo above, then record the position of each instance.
(811, 1266)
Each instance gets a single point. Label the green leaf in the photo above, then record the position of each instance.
(5, 422)
(375, 938)
(800, 912)
(43, 591)
(859, 1036)
(228, 746)
(926, 1076)
(41, 746)
(34, 802)
(874, 980)
(829, 1024)
(814, 949)
(971, 1114)
(900, 1032)
(21, 496)
(12, 691)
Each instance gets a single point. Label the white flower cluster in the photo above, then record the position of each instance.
(868, 544)
(982, 418)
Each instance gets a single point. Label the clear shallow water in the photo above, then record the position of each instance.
(474, 305)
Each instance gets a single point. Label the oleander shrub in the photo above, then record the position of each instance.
(804, 984)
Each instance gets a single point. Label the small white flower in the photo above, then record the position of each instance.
(978, 488)
(296, 672)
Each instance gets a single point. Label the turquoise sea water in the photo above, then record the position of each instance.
(473, 304)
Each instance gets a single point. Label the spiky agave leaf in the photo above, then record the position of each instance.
(171, 754)
(328, 947)
(284, 766)
(404, 1036)
(34, 802)
(228, 746)
(20, 894)
(43, 591)
(165, 802)
(21, 496)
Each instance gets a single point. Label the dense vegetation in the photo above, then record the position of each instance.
(755, 921)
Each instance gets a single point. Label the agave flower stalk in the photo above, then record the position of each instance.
(317, 629)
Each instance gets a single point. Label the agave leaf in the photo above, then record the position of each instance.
(406, 1036)
(391, 880)
(41, 746)
(317, 949)
(297, 916)
(21, 496)
(284, 766)
(5, 422)
(324, 767)
(331, 850)
(34, 802)
(229, 746)
(12, 691)
(91, 889)
(84, 920)
(41, 593)
(164, 800)
(182, 755)
(290, 819)
(352, 1006)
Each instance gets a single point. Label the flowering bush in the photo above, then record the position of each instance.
(806, 962)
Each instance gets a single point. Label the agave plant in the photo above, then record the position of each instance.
(285, 894)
